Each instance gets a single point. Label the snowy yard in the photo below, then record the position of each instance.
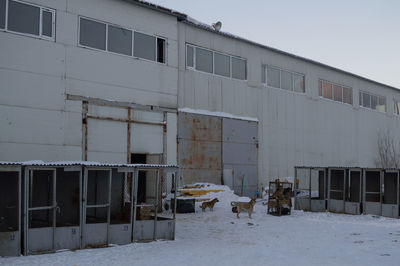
(219, 238)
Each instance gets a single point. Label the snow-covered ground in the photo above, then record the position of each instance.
(219, 238)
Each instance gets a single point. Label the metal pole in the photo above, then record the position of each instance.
(26, 214)
(329, 189)
(134, 201)
(80, 207)
(295, 188)
(54, 206)
(109, 203)
(364, 188)
(156, 204)
(131, 219)
(174, 210)
(19, 209)
(84, 203)
(309, 188)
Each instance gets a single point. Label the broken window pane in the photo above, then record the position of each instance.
(160, 50)
(23, 18)
(47, 23)
(145, 46)
(327, 90)
(273, 77)
(238, 68)
(287, 81)
(204, 60)
(189, 56)
(92, 34)
(2, 14)
(337, 93)
(298, 83)
(347, 95)
(222, 65)
(119, 40)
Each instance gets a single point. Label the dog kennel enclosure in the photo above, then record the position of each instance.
(348, 190)
(46, 207)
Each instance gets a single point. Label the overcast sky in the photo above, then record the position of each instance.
(359, 36)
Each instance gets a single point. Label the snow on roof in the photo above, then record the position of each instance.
(85, 163)
(219, 114)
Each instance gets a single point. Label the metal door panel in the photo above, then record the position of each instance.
(199, 148)
(373, 208)
(352, 207)
(96, 235)
(67, 237)
(165, 229)
(302, 204)
(240, 153)
(40, 239)
(9, 243)
(144, 230)
(318, 205)
(120, 234)
(336, 206)
(317, 188)
(390, 210)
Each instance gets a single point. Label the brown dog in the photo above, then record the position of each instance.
(248, 206)
(209, 204)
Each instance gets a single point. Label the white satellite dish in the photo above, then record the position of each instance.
(217, 26)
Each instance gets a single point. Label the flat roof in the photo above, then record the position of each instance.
(192, 22)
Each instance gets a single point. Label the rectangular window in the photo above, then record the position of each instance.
(397, 107)
(374, 102)
(238, 68)
(92, 34)
(161, 50)
(327, 90)
(27, 19)
(273, 77)
(298, 82)
(366, 100)
(286, 79)
(263, 74)
(337, 93)
(204, 60)
(2, 14)
(382, 104)
(189, 56)
(145, 46)
(119, 40)
(347, 95)
(222, 64)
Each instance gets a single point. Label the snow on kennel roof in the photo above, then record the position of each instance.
(85, 163)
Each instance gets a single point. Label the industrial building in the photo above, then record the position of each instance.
(117, 81)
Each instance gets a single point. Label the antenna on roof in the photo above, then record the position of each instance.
(217, 26)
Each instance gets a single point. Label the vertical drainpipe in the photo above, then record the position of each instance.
(85, 109)
(128, 139)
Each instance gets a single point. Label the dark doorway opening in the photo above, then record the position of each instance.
(140, 158)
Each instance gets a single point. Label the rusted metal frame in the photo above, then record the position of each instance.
(102, 102)
(85, 110)
(125, 120)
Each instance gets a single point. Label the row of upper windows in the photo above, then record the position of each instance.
(33, 20)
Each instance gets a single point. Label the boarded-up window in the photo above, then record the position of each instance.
(327, 93)
(337, 93)
(347, 95)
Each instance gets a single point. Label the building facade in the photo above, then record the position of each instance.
(129, 81)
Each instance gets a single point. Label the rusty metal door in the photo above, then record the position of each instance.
(199, 148)
(239, 153)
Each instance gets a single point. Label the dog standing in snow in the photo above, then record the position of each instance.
(248, 206)
(209, 204)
